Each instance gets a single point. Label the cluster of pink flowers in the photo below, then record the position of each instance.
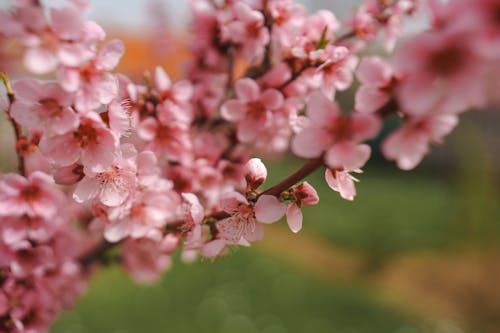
(158, 166)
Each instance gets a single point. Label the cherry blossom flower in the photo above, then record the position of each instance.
(92, 83)
(377, 84)
(334, 134)
(34, 196)
(241, 227)
(146, 259)
(409, 144)
(337, 71)
(439, 68)
(246, 29)
(92, 143)
(113, 185)
(300, 195)
(44, 106)
(342, 181)
(253, 108)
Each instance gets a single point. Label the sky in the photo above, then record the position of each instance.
(133, 15)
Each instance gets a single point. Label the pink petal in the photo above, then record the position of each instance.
(374, 71)
(231, 230)
(86, 189)
(418, 94)
(268, 209)
(407, 146)
(28, 89)
(147, 129)
(98, 156)
(40, 61)
(74, 55)
(272, 99)
(62, 149)
(106, 88)
(310, 142)
(182, 91)
(196, 209)
(119, 118)
(256, 235)
(342, 183)
(294, 217)
(230, 201)
(113, 195)
(369, 99)
(347, 155)
(321, 110)
(24, 114)
(213, 249)
(247, 90)
(248, 129)
(67, 22)
(109, 55)
(147, 168)
(364, 126)
(442, 125)
(69, 79)
(161, 79)
(116, 231)
(233, 110)
(66, 121)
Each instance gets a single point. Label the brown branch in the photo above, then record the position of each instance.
(96, 253)
(17, 128)
(294, 178)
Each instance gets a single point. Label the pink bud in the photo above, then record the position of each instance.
(305, 194)
(255, 173)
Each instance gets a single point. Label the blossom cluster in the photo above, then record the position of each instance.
(160, 166)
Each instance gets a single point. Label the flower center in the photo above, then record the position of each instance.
(341, 129)
(86, 134)
(30, 193)
(255, 110)
(447, 60)
(51, 106)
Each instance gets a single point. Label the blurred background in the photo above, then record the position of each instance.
(416, 252)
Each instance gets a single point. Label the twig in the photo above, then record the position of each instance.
(17, 128)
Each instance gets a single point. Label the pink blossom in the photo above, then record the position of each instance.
(299, 195)
(143, 215)
(255, 173)
(342, 182)
(34, 196)
(246, 29)
(146, 259)
(377, 85)
(338, 136)
(409, 144)
(241, 227)
(252, 110)
(92, 83)
(92, 143)
(113, 185)
(44, 106)
(337, 70)
(439, 68)
(194, 215)
(170, 138)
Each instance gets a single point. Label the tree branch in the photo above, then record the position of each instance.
(17, 128)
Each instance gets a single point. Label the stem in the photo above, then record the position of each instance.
(96, 254)
(17, 128)
(294, 178)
